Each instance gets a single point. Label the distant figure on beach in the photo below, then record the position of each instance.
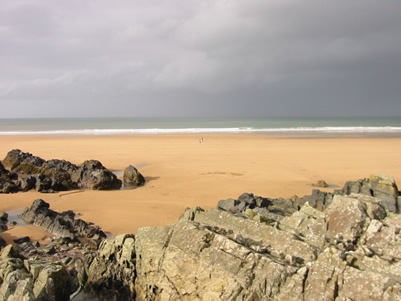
(201, 140)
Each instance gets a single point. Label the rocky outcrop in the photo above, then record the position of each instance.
(61, 224)
(132, 177)
(310, 255)
(343, 247)
(54, 175)
(32, 272)
(112, 272)
(382, 187)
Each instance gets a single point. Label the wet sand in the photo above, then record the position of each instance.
(181, 172)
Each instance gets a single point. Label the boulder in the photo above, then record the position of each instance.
(56, 175)
(132, 177)
(93, 175)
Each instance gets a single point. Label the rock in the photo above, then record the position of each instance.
(3, 243)
(269, 210)
(62, 224)
(3, 216)
(133, 177)
(350, 250)
(6, 175)
(347, 218)
(210, 255)
(53, 283)
(229, 205)
(321, 183)
(18, 161)
(382, 187)
(308, 223)
(93, 175)
(318, 199)
(8, 186)
(111, 273)
(22, 239)
(56, 175)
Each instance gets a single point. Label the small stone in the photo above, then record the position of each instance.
(320, 183)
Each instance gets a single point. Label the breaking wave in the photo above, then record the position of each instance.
(328, 129)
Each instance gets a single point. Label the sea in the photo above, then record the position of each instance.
(148, 126)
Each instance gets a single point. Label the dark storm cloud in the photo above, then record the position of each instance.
(254, 57)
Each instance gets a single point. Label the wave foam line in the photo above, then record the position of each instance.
(386, 129)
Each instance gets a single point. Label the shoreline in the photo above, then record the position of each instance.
(182, 173)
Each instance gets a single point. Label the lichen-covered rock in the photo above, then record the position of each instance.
(111, 273)
(214, 255)
(347, 218)
(52, 283)
(308, 223)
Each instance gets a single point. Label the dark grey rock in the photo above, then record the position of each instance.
(56, 175)
(62, 224)
(133, 177)
(22, 239)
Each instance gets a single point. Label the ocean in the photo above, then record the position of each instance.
(124, 126)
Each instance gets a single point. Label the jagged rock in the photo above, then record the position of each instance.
(111, 274)
(229, 205)
(8, 186)
(318, 199)
(346, 219)
(56, 175)
(382, 187)
(93, 175)
(210, 255)
(18, 161)
(62, 224)
(267, 209)
(6, 175)
(29, 280)
(53, 283)
(132, 176)
(308, 223)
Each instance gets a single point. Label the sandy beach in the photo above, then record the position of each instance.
(181, 172)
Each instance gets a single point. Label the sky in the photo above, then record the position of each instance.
(188, 58)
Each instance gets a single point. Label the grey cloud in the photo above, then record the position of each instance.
(222, 57)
